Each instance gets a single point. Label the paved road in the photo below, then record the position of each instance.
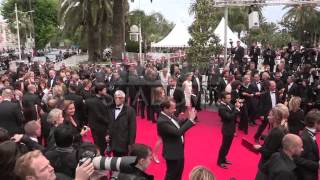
(71, 61)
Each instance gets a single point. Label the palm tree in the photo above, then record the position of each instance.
(92, 18)
(303, 18)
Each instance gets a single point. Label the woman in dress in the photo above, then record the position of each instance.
(277, 119)
(296, 116)
(78, 129)
(187, 89)
(55, 118)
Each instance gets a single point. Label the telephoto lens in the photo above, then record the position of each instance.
(121, 164)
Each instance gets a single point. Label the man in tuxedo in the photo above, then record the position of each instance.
(213, 78)
(52, 78)
(269, 99)
(254, 53)
(172, 132)
(178, 95)
(269, 56)
(223, 81)
(122, 128)
(11, 116)
(98, 115)
(238, 53)
(308, 162)
(257, 89)
(29, 102)
(228, 114)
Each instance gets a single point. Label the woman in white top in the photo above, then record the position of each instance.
(228, 88)
(187, 89)
(164, 77)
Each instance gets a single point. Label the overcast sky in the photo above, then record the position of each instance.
(177, 10)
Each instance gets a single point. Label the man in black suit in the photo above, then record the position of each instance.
(281, 164)
(308, 162)
(29, 102)
(11, 116)
(197, 88)
(178, 95)
(257, 89)
(78, 102)
(228, 114)
(254, 53)
(269, 99)
(238, 53)
(122, 128)
(52, 78)
(171, 132)
(98, 115)
(223, 81)
(269, 56)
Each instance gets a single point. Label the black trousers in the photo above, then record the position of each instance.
(119, 154)
(174, 169)
(262, 127)
(225, 147)
(243, 125)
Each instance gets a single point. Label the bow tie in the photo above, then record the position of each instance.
(258, 82)
(117, 108)
(171, 87)
(273, 92)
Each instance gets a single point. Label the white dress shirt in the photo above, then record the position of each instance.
(273, 99)
(175, 124)
(117, 111)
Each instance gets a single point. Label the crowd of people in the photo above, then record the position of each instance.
(49, 118)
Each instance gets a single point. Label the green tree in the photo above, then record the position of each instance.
(301, 21)
(154, 27)
(204, 43)
(44, 17)
(89, 19)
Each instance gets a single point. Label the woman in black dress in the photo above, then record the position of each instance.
(78, 129)
(295, 120)
(277, 119)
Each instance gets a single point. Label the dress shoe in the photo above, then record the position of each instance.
(228, 162)
(223, 166)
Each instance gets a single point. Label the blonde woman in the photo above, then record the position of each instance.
(187, 89)
(296, 116)
(277, 118)
(201, 173)
(55, 118)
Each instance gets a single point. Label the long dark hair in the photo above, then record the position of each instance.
(9, 153)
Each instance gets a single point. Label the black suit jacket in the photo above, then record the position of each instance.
(11, 117)
(308, 162)
(195, 85)
(280, 167)
(98, 115)
(123, 129)
(49, 82)
(178, 96)
(173, 147)
(267, 102)
(28, 102)
(228, 117)
(238, 53)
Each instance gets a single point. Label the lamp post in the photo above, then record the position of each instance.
(18, 33)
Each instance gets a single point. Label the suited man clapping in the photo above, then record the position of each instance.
(172, 133)
(228, 114)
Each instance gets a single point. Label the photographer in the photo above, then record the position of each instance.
(144, 156)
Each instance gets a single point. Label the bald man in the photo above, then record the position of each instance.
(281, 165)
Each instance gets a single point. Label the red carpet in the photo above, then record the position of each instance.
(201, 148)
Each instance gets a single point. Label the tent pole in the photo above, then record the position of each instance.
(225, 35)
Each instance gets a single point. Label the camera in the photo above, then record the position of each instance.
(121, 164)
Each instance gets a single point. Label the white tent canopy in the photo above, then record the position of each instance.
(178, 37)
(219, 31)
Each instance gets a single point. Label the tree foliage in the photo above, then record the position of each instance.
(90, 21)
(301, 22)
(44, 18)
(154, 27)
(204, 43)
